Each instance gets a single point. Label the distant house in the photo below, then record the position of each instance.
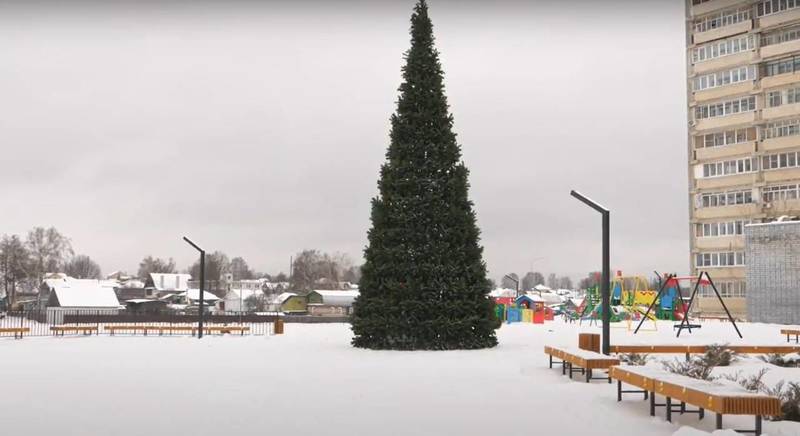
(289, 302)
(73, 296)
(159, 285)
(331, 303)
(190, 299)
(236, 299)
(119, 276)
(145, 305)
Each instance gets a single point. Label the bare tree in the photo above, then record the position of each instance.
(531, 279)
(82, 267)
(217, 265)
(552, 281)
(255, 303)
(240, 269)
(592, 279)
(565, 282)
(49, 251)
(312, 269)
(14, 265)
(150, 265)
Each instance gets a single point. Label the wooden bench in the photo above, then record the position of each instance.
(18, 331)
(585, 360)
(790, 332)
(227, 329)
(699, 349)
(705, 395)
(85, 329)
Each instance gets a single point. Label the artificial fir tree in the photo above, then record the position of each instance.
(424, 283)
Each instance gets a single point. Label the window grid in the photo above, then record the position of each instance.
(781, 160)
(783, 96)
(722, 78)
(713, 110)
(727, 137)
(719, 259)
(728, 167)
(718, 229)
(728, 198)
(780, 66)
(722, 48)
(737, 289)
(769, 7)
(781, 128)
(722, 19)
(781, 36)
(780, 193)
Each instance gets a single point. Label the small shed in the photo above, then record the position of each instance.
(80, 297)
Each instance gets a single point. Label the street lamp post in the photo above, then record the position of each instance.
(605, 292)
(516, 283)
(202, 285)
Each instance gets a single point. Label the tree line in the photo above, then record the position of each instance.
(531, 279)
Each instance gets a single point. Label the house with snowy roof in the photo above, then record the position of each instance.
(331, 302)
(161, 284)
(69, 296)
(236, 300)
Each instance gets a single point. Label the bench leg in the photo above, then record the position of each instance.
(652, 404)
(588, 375)
(758, 425)
(645, 395)
(719, 421)
(683, 407)
(570, 371)
(563, 368)
(619, 390)
(551, 361)
(669, 409)
(702, 413)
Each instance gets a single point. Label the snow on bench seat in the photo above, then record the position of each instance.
(582, 358)
(719, 398)
(699, 348)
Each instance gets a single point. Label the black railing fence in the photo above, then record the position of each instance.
(114, 322)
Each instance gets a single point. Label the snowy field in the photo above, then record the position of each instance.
(311, 382)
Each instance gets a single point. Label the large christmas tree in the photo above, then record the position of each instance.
(424, 283)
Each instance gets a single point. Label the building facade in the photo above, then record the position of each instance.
(743, 93)
(773, 272)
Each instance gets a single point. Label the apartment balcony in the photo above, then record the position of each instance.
(784, 110)
(779, 18)
(722, 182)
(782, 207)
(735, 211)
(780, 49)
(720, 243)
(737, 306)
(780, 80)
(724, 91)
(722, 32)
(716, 153)
(782, 175)
(781, 143)
(725, 273)
(713, 5)
(727, 121)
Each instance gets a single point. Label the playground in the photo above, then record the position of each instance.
(310, 381)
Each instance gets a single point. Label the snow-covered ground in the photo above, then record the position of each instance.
(310, 381)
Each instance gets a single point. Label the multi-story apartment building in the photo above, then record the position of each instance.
(743, 74)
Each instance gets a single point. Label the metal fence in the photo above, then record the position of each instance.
(99, 322)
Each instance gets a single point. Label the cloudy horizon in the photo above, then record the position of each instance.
(258, 128)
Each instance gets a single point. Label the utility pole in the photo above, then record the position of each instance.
(605, 292)
(202, 286)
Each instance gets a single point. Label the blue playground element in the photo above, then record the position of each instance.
(513, 314)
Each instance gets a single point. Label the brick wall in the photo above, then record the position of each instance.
(773, 272)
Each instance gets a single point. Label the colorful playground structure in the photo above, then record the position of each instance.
(525, 308)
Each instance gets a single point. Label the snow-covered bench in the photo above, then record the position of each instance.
(85, 329)
(699, 349)
(791, 332)
(705, 395)
(585, 360)
(17, 331)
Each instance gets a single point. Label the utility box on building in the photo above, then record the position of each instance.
(772, 253)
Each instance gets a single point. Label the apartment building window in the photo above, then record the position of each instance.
(726, 289)
(780, 192)
(697, 2)
(727, 137)
(781, 36)
(728, 167)
(781, 160)
(729, 198)
(781, 66)
(719, 259)
(781, 128)
(768, 7)
(718, 49)
(783, 96)
(721, 109)
(721, 19)
(722, 78)
(724, 228)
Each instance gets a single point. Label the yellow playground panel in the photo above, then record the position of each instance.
(633, 293)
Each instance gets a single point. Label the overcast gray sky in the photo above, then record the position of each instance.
(258, 128)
